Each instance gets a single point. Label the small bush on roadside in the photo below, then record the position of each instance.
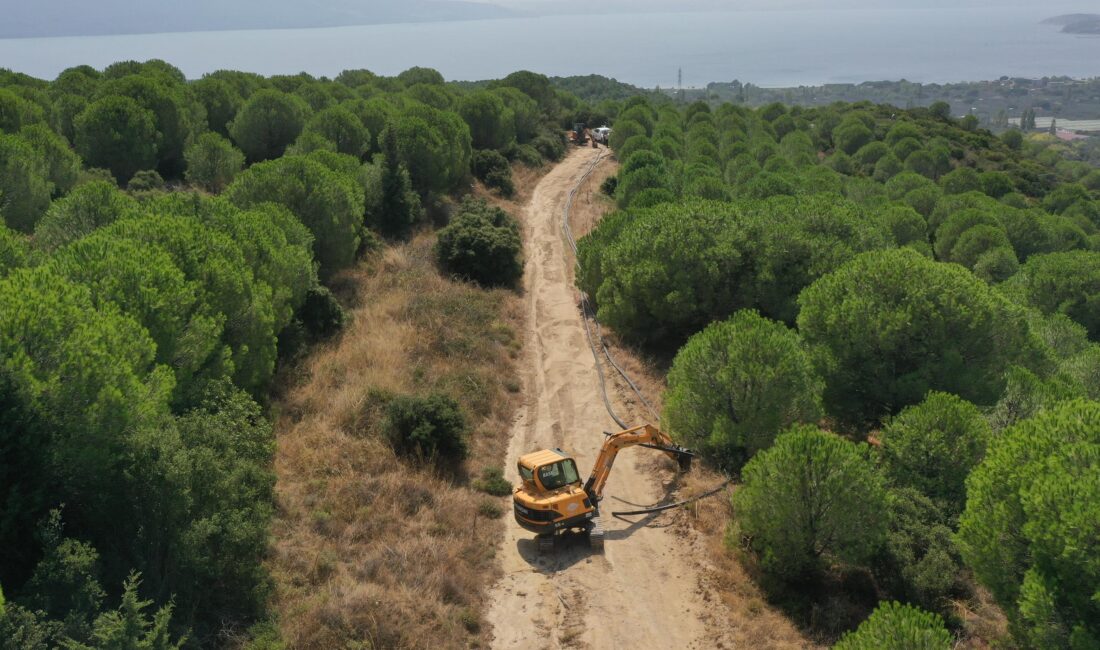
(529, 156)
(492, 168)
(501, 180)
(482, 243)
(486, 161)
(492, 482)
(609, 185)
(550, 146)
(428, 427)
(489, 510)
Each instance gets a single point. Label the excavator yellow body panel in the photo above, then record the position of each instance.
(551, 497)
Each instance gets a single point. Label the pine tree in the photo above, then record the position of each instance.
(129, 628)
(400, 205)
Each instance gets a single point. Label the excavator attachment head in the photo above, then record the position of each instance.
(682, 455)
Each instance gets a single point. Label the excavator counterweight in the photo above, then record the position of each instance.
(551, 498)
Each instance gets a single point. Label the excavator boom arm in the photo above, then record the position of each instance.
(646, 436)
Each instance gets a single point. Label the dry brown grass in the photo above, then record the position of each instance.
(525, 179)
(371, 551)
(983, 623)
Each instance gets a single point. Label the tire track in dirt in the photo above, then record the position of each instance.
(643, 591)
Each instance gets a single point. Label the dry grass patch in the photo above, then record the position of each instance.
(525, 179)
(371, 550)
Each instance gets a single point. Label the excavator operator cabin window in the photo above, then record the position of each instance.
(526, 473)
(558, 474)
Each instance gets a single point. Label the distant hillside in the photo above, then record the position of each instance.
(596, 88)
(66, 18)
(1077, 23)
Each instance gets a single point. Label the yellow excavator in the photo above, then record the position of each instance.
(552, 500)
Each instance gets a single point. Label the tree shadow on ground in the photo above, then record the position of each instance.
(823, 606)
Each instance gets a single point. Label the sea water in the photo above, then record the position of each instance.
(768, 48)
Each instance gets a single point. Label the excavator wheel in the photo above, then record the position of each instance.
(596, 535)
(546, 543)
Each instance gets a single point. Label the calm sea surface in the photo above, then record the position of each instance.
(766, 48)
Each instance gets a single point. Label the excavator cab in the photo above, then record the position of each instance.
(551, 498)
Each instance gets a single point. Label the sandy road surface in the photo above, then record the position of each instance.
(644, 591)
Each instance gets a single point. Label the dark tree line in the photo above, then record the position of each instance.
(165, 246)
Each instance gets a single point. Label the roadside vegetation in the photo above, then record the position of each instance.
(876, 319)
(387, 527)
(185, 266)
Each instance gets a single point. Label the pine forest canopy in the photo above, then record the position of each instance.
(165, 247)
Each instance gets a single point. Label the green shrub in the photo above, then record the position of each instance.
(485, 161)
(894, 626)
(329, 203)
(213, 162)
(490, 510)
(813, 498)
(321, 314)
(1066, 283)
(264, 636)
(932, 326)
(919, 562)
(427, 427)
(1031, 529)
(609, 185)
(492, 482)
(529, 156)
(482, 243)
(268, 123)
(734, 386)
(652, 197)
(145, 181)
(932, 447)
(492, 168)
(550, 146)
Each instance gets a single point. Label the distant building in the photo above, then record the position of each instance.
(1069, 136)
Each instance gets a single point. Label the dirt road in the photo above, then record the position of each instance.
(644, 591)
